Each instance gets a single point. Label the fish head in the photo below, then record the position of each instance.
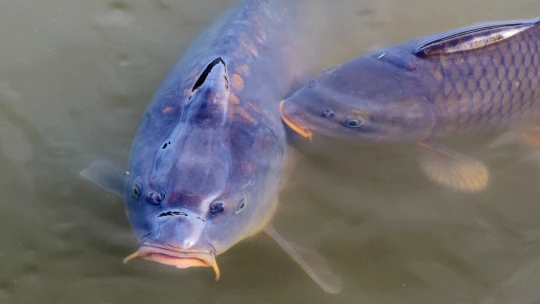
(362, 99)
(205, 186)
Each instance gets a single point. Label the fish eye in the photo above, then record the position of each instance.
(135, 191)
(353, 121)
(156, 198)
(328, 113)
(216, 207)
(242, 203)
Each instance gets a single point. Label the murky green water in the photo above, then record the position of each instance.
(74, 80)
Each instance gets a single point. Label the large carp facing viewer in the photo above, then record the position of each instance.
(483, 78)
(206, 163)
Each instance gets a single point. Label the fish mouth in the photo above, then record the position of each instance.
(178, 258)
(304, 131)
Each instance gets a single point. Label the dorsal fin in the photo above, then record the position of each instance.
(470, 39)
(208, 103)
(207, 71)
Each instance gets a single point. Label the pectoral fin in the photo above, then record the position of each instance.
(312, 263)
(452, 169)
(106, 175)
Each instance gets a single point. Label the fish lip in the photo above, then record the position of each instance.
(170, 255)
(178, 258)
(302, 130)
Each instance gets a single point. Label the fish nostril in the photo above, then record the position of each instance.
(328, 113)
(172, 213)
(156, 198)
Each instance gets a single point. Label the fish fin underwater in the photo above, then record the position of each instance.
(313, 264)
(452, 169)
(530, 138)
(474, 38)
(105, 174)
(110, 176)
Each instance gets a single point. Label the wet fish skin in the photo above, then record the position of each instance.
(483, 78)
(202, 142)
(206, 162)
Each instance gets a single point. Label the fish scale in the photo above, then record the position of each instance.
(503, 103)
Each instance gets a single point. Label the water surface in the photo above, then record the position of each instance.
(75, 78)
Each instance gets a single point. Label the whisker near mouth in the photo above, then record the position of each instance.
(131, 257)
(172, 213)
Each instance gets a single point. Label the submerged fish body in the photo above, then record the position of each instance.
(207, 159)
(483, 78)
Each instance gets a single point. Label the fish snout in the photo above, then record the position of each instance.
(179, 229)
(177, 241)
(291, 115)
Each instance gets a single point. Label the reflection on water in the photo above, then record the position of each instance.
(75, 78)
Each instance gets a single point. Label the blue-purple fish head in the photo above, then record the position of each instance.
(362, 99)
(206, 185)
